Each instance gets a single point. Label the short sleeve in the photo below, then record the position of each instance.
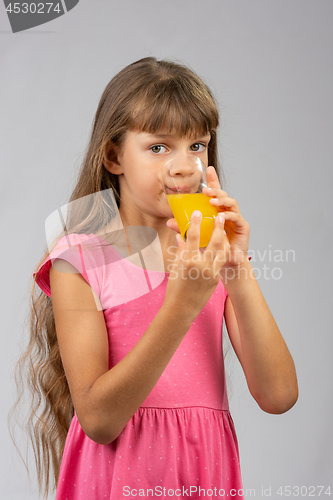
(75, 249)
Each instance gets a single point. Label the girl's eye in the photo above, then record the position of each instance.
(198, 147)
(157, 148)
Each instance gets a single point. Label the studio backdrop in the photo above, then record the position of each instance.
(269, 65)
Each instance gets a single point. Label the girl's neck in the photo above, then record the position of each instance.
(166, 235)
(138, 236)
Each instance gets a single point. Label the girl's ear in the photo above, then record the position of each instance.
(110, 159)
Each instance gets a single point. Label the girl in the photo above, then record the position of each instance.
(126, 359)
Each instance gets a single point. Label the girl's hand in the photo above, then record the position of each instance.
(236, 228)
(195, 272)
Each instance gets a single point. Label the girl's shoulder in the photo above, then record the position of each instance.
(116, 275)
(82, 251)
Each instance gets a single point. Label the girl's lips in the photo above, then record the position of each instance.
(184, 189)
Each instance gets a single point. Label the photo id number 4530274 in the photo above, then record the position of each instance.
(299, 491)
(33, 8)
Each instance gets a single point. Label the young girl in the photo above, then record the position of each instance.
(125, 355)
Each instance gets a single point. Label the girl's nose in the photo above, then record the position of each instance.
(182, 166)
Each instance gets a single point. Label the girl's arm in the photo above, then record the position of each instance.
(105, 400)
(268, 366)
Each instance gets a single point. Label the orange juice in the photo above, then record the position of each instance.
(183, 205)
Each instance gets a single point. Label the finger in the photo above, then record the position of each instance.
(221, 258)
(172, 224)
(181, 243)
(219, 198)
(193, 233)
(219, 246)
(235, 218)
(216, 240)
(212, 178)
(179, 252)
(225, 201)
(209, 191)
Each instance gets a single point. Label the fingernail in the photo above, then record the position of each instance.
(196, 213)
(221, 218)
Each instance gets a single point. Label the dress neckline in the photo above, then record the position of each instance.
(128, 261)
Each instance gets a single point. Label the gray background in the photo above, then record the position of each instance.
(269, 64)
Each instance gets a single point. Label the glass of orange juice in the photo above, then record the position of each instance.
(183, 178)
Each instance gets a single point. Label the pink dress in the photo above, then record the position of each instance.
(181, 442)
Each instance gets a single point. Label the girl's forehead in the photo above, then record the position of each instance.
(164, 133)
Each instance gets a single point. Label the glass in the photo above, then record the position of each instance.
(183, 178)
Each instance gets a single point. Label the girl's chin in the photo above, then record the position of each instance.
(166, 208)
(168, 215)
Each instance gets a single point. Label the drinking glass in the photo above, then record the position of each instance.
(183, 178)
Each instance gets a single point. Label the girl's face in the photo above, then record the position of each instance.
(142, 199)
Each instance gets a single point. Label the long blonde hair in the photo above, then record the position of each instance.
(146, 95)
